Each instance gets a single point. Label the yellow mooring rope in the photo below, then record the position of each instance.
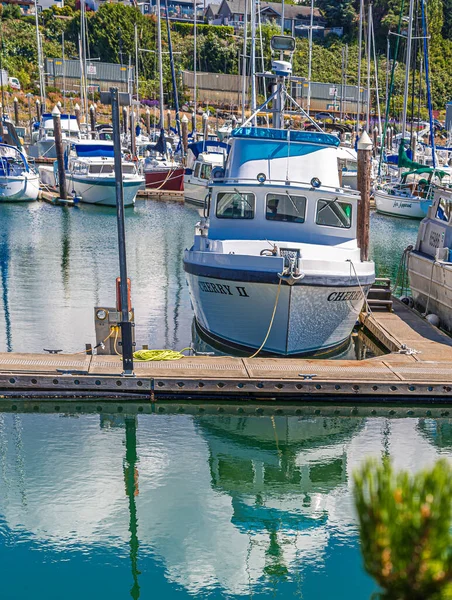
(149, 355)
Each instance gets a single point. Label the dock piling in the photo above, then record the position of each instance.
(59, 151)
(133, 134)
(16, 111)
(148, 121)
(38, 110)
(77, 113)
(184, 123)
(364, 172)
(92, 119)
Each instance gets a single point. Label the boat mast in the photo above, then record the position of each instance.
(427, 81)
(195, 69)
(245, 44)
(360, 43)
(308, 106)
(369, 43)
(253, 57)
(136, 66)
(159, 55)
(407, 68)
(42, 89)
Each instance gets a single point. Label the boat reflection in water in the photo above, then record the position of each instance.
(188, 506)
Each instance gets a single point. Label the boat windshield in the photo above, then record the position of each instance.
(334, 214)
(285, 207)
(235, 205)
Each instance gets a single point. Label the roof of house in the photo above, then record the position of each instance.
(291, 11)
(213, 8)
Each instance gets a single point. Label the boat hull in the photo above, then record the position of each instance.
(194, 193)
(431, 287)
(169, 180)
(101, 191)
(308, 319)
(406, 207)
(19, 189)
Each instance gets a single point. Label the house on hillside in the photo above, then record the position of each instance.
(178, 10)
(296, 17)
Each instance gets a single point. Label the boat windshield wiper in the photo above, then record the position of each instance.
(243, 198)
(293, 203)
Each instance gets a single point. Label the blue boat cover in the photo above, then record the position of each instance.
(93, 150)
(208, 145)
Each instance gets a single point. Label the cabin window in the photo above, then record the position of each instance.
(235, 205)
(444, 210)
(206, 170)
(333, 213)
(197, 167)
(285, 207)
(101, 169)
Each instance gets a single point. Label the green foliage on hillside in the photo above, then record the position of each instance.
(111, 32)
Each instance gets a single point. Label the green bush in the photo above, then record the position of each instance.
(405, 527)
(221, 31)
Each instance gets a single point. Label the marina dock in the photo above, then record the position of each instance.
(417, 368)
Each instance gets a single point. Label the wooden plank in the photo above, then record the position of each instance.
(190, 366)
(43, 363)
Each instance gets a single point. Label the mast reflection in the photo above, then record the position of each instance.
(131, 483)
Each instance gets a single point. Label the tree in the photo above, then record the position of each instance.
(405, 528)
(338, 13)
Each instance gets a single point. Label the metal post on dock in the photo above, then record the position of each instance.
(124, 120)
(184, 123)
(16, 112)
(364, 172)
(148, 121)
(38, 110)
(126, 325)
(133, 134)
(92, 119)
(77, 114)
(59, 151)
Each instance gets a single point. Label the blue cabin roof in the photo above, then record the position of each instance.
(95, 149)
(310, 137)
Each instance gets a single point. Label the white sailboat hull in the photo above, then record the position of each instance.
(195, 193)
(308, 318)
(401, 206)
(102, 190)
(20, 188)
(431, 286)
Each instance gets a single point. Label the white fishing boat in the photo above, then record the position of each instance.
(202, 158)
(43, 138)
(430, 262)
(90, 174)
(275, 264)
(412, 196)
(18, 180)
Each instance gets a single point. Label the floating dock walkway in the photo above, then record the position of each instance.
(418, 367)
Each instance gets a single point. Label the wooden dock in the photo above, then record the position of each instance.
(418, 368)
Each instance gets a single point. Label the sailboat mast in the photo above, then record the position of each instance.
(369, 43)
(42, 90)
(311, 25)
(253, 56)
(245, 44)
(195, 58)
(159, 55)
(136, 65)
(407, 68)
(360, 43)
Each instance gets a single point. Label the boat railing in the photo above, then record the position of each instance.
(285, 183)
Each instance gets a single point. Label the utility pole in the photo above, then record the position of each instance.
(126, 324)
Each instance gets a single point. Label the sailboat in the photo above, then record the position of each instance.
(412, 195)
(275, 264)
(161, 170)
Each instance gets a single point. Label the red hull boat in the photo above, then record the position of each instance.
(165, 179)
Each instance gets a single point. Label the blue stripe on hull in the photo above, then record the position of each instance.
(248, 276)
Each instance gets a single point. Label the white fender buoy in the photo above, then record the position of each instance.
(433, 320)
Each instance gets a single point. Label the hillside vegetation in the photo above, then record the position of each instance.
(111, 39)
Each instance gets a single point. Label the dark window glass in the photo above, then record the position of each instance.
(235, 205)
(285, 207)
(333, 213)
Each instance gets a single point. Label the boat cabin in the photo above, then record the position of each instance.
(435, 231)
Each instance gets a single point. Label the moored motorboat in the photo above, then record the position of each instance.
(90, 174)
(202, 158)
(18, 180)
(276, 265)
(430, 262)
(43, 139)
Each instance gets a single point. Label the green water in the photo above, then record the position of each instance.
(169, 506)
(57, 264)
(180, 506)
